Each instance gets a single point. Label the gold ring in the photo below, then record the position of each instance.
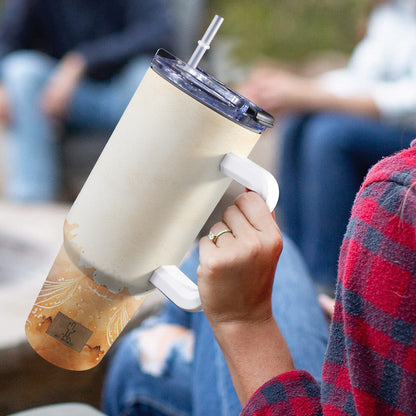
(214, 237)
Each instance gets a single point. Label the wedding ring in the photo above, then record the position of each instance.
(214, 237)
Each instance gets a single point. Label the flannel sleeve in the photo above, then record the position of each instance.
(370, 364)
(376, 300)
(293, 393)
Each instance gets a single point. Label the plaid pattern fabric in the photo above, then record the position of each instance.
(370, 364)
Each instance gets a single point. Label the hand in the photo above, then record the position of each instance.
(235, 275)
(235, 279)
(327, 304)
(58, 91)
(5, 116)
(277, 90)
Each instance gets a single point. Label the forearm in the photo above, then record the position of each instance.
(72, 67)
(255, 353)
(279, 91)
(62, 84)
(235, 281)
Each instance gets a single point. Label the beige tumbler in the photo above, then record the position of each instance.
(179, 143)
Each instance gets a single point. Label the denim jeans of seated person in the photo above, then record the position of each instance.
(172, 364)
(323, 160)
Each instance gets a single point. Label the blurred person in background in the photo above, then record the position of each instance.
(71, 63)
(336, 126)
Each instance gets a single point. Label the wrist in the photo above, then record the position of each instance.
(234, 330)
(73, 65)
(254, 352)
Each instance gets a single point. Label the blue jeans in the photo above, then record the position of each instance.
(33, 150)
(324, 158)
(200, 384)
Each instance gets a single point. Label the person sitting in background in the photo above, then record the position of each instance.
(76, 63)
(336, 126)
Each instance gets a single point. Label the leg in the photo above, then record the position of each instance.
(297, 311)
(337, 150)
(288, 211)
(32, 149)
(150, 371)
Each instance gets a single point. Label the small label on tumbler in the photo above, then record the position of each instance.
(69, 332)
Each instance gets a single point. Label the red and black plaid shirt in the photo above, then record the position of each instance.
(370, 364)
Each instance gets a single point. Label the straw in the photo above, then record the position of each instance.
(203, 44)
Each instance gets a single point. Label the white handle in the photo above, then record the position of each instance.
(252, 176)
(177, 287)
(174, 284)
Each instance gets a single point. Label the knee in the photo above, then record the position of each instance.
(160, 344)
(150, 351)
(148, 360)
(25, 72)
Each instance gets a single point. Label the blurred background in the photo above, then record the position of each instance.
(292, 32)
(308, 36)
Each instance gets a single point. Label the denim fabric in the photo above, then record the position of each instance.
(324, 158)
(203, 386)
(32, 162)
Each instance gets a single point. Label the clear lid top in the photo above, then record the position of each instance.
(211, 92)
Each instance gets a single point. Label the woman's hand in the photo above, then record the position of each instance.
(58, 91)
(235, 275)
(278, 91)
(235, 280)
(327, 304)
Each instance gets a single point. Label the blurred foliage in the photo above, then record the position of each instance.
(290, 30)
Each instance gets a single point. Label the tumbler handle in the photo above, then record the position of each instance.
(174, 284)
(252, 176)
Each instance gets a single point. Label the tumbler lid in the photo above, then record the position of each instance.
(209, 91)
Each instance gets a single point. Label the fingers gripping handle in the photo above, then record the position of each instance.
(175, 285)
(252, 176)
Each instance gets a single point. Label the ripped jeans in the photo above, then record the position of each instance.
(172, 365)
